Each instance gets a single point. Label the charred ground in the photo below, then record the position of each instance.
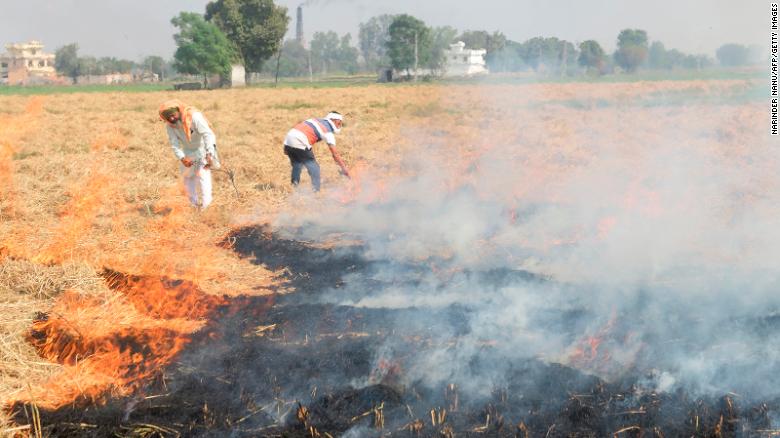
(293, 365)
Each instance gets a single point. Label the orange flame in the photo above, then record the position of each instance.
(12, 130)
(103, 357)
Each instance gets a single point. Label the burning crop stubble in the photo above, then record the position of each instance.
(657, 226)
(556, 232)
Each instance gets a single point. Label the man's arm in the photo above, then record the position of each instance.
(176, 147)
(338, 160)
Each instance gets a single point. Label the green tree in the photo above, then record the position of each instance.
(632, 49)
(348, 55)
(674, 58)
(441, 38)
(508, 58)
(409, 44)
(108, 65)
(658, 56)
(548, 54)
(202, 48)
(732, 55)
(66, 61)
(591, 56)
(255, 27)
(324, 51)
(156, 65)
(373, 40)
(88, 65)
(480, 39)
(697, 62)
(294, 60)
(331, 53)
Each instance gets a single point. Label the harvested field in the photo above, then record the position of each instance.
(568, 259)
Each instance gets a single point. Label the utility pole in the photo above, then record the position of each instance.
(311, 73)
(278, 59)
(415, 56)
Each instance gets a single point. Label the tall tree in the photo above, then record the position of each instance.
(480, 39)
(108, 65)
(591, 56)
(508, 58)
(156, 65)
(88, 65)
(202, 48)
(330, 53)
(632, 49)
(657, 56)
(348, 55)
(294, 60)
(548, 54)
(373, 38)
(66, 61)
(324, 51)
(255, 27)
(441, 38)
(732, 55)
(409, 44)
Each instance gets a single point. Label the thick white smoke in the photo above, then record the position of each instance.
(644, 222)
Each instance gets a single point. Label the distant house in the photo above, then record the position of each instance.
(237, 76)
(108, 79)
(464, 62)
(27, 63)
(459, 62)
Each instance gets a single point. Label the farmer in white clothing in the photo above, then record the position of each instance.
(195, 146)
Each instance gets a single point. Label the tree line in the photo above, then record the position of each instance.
(68, 63)
(251, 33)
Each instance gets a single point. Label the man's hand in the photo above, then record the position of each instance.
(345, 172)
(187, 162)
(209, 161)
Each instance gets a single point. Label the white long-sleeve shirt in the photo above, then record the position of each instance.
(202, 139)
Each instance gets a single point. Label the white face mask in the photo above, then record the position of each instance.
(336, 129)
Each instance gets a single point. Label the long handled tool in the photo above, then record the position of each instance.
(229, 172)
(231, 176)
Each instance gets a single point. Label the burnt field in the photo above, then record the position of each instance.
(297, 365)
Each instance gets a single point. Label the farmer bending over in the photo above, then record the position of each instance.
(195, 146)
(301, 138)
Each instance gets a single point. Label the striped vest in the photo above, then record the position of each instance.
(314, 129)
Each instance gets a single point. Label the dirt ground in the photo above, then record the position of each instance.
(88, 182)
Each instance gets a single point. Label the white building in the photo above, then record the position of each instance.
(464, 62)
(26, 63)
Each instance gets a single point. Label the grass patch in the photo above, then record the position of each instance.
(22, 155)
(68, 89)
(298, 104)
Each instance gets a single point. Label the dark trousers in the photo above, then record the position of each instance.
(300, 158)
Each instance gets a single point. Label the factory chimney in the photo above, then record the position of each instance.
(299, 26)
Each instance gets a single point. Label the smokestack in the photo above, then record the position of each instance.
(299, 25)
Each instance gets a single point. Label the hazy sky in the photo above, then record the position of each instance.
(132, 29)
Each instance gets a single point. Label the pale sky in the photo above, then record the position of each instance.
(132, 29)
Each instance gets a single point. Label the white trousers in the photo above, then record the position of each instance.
(197, 179)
